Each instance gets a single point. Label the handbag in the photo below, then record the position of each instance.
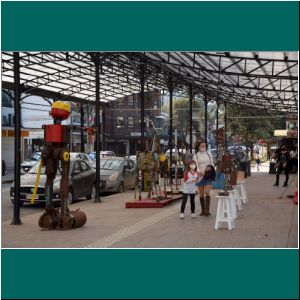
(219, 183)
(210, 171)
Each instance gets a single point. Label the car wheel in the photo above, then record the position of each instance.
(93, 194)
(121, 188)
(70, 198)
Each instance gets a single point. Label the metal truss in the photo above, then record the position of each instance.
(258, 80)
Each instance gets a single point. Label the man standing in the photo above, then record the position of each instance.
(282, 156)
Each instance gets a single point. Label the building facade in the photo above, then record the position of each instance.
(123, 122)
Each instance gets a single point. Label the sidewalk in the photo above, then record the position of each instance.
(265, 222)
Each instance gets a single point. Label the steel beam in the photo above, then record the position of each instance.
(97, 113)
(206, 119)
(217, 127)
(103, 129)
(225, 125)
(81, 128)
(191, 116)
(17, 173)
(142, 94)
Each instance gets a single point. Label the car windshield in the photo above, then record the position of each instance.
(110, 164)
(35, 156)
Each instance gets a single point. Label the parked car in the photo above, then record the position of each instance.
(117, 174)
(85, 157)
(81, 183)
(92, 155)
(28, 163)
(132, 157)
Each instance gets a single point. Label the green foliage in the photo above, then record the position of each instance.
(252, 129)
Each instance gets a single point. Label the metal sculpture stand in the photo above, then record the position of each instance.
(226, 167)
(57, 137)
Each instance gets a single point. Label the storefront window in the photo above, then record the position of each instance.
(130, 122)
(130, 101)
(120, 122)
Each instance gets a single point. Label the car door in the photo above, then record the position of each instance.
(126, 174)
(86, 178)
(76, 179)
(133, 173)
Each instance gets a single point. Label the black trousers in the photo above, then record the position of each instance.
(286, 172)
(184, 200)
(243, 165)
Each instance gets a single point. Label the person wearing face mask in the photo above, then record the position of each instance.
(203, 159)
(189, 188)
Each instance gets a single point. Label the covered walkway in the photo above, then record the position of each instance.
(265, 222)
(261, 82)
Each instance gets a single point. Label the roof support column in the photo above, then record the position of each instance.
(103, 129)
(225, 125)
(17, 95)
(191, 98)
(217, 128)
(97, 113)
(205, 121)
(142, 82)
(171, 90)
(81, 128)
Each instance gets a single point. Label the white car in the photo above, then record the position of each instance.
(92, 155)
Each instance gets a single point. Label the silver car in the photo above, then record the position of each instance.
(28, 163)
(117, 174)
(83, 156)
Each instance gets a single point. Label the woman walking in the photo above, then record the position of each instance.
(204, 161)
(189, 188)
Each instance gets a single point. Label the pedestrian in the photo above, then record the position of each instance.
(204, 161)
(282, 156)
(187, 156)
(257, 159)
(189, 188)
(243, 160)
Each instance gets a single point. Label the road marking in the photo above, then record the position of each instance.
(124, 233)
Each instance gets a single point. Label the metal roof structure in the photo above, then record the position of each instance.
(258, 80)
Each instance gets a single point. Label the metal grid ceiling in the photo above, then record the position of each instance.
(264, 80)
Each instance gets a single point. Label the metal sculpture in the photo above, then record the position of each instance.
(56, 155)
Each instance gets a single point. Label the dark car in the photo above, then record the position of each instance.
(81, 183)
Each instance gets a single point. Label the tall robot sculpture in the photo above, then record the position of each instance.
(55, 155)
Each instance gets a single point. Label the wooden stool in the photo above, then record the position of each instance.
(238, 196)
(224, 212)
(243, 191)
(233, 203)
